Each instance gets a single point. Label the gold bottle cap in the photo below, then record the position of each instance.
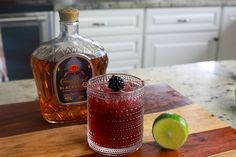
(69, 14)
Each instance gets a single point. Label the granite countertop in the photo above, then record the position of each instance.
(16, 6)
(210, 84)
(116, 4)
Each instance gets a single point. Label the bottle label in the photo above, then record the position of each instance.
(70, 78)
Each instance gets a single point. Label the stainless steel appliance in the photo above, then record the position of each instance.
(21, 35)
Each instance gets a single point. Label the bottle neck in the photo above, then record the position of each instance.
(69, 29)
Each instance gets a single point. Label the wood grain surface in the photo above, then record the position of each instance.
(24, 133)
(231, 153)
(26, 117)
(199, 120)
(162, 97)
(201, 144)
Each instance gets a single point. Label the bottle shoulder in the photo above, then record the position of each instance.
(57, 48)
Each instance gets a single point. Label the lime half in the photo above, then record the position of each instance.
(170, 130)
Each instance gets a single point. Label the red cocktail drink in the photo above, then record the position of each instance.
(115, 119)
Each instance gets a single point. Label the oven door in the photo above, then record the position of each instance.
(21, 35)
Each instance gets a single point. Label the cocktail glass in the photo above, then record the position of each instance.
(115, 119)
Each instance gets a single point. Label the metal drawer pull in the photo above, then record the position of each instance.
(183, 20)
(98, 24)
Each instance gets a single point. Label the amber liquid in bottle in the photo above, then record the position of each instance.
(61, 68)
(52, 110)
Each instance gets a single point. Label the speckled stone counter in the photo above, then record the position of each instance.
(116, 4)
(210, 84)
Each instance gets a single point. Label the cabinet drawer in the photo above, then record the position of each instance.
(124, 52)
(179, 48)
(108, 22)
(182, 19)
(111, 22)
(123, 66)
(121, 48)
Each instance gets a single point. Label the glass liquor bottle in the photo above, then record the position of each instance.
(62, 67)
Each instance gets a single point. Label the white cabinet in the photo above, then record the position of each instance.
(111, 22)
(124, 52)
(227, 42)
(120, 31)
(180, 35)
(164, 36)
(182, 19)
(170, 49)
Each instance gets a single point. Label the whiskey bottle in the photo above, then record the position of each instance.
(61, 68)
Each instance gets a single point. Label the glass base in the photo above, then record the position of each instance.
(113, 151)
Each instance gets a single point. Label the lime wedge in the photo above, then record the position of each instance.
(170, 130)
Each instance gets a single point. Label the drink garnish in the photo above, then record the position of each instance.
(116, 83)
(170, 130)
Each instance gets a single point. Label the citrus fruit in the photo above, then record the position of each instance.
(170, 130)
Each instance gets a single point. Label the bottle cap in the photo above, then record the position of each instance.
(69, 14)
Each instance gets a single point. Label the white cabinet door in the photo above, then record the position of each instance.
(123, 65)
(107, 22)
(227, 43)
(119, 31)
(182, 19)
(111, 22)
(124, 52)
(179, 48)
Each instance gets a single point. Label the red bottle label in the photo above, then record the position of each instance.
(70, 77)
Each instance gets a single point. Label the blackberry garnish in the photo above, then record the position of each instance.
(116, 83)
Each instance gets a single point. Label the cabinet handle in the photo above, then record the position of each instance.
(216, 39)
(183, 20)
(98, 24)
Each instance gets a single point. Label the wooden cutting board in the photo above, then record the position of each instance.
(23, 132)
